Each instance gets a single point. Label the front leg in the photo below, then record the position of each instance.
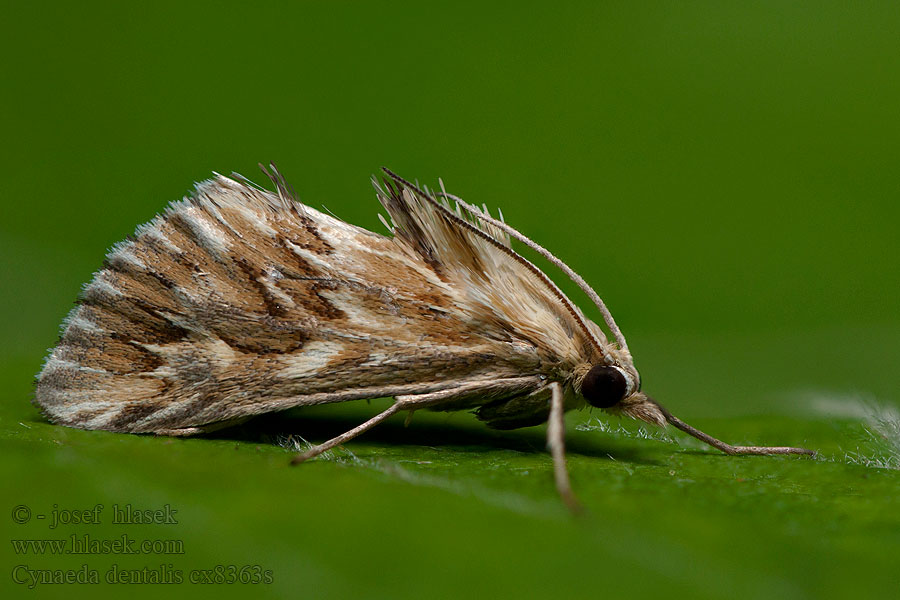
(556, 433)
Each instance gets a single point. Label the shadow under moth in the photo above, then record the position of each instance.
(239, 301)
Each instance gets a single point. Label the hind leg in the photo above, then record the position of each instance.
(465, 390)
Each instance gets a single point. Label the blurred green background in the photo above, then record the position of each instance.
(725, 174)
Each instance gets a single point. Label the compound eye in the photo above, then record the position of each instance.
(603, 386)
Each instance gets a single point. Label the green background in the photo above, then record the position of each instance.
(725, 175)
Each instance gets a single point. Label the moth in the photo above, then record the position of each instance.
(238, 301)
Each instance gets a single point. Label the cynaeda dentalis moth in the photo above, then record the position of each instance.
(238, 301)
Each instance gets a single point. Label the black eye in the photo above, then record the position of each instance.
(603, 386)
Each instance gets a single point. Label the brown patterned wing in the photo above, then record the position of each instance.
(238, 302)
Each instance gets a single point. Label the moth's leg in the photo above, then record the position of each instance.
(412, 402)
(347, 435)
(401, 403)
(556, 432)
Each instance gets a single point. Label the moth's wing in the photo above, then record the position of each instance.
(237, 302)
(494, 283)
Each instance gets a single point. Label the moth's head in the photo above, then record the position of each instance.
(617, 389)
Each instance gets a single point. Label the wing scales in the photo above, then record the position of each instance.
(237, 302)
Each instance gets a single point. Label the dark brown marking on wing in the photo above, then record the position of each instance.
(254, 274)
(264, 342)
(133, 319)
(314, 241)
(318, 304)
(134, 411)
(111, 350)
(290, 264)
(149, 285)
(410, 231)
